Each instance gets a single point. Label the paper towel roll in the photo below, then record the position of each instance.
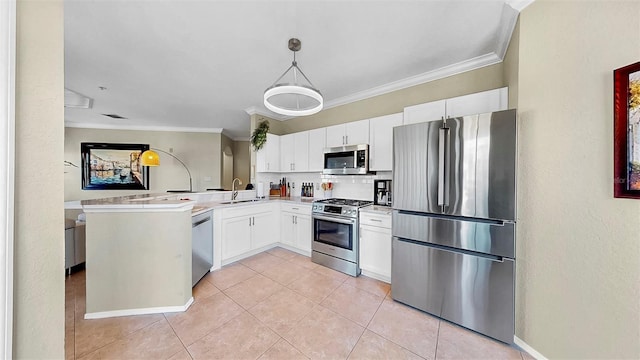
(260, 190)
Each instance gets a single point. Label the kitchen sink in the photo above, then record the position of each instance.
(239, 201)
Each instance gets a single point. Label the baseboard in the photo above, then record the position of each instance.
(248, 254)
(142, 311)
(376, 276)
(259, 250)
(294, 249)
(524, 346)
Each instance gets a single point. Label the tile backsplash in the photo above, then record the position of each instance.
(359, 187)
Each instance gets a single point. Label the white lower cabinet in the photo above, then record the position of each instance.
(248, 228)
(375, 245)
(295, 226)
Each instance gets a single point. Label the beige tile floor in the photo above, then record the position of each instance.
(276, 305)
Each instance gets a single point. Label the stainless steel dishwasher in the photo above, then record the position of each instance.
(202, 245)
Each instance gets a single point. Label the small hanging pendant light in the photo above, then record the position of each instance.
(293, 98)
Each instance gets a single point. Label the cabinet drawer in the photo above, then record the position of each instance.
(247, 210)
(371, 219)
(296, 208)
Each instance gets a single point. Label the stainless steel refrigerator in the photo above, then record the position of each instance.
(454, 218)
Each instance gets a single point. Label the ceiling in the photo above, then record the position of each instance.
(204, 65)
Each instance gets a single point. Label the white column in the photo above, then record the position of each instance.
(7, 139)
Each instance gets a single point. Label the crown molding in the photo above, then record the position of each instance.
(141, 128)
(242, 138)
(450, 70)
(508, 21)
(519, 5)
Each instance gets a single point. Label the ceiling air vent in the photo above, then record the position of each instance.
(114, 116)
(76, 100)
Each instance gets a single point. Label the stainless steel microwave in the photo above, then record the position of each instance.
(346, 160)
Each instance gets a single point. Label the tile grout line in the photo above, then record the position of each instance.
(270, 329)
(382, 336)
(176, 334)
(435, 354)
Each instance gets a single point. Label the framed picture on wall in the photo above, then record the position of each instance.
(626, 115)
(113, 167)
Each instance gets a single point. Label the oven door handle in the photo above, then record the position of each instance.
(335, 219)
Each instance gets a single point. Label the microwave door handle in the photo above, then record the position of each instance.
(443, 161)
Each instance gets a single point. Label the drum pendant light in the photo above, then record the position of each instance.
(293, 98)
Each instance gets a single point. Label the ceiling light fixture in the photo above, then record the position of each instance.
(293, 98)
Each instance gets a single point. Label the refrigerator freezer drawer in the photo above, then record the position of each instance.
(487, 237)
(472, 291)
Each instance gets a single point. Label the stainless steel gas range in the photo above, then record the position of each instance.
(335, 234)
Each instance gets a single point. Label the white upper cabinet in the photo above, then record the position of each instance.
(335, 135)
(294, 152)
(301, 151)
(478, 103)
(286, 152)
(317, 143)
(352, 133)
(381, 136)
(430, 111)
(268, 158)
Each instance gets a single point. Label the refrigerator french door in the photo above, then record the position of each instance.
(453, 253)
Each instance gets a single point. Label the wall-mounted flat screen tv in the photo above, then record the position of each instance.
(113, 166)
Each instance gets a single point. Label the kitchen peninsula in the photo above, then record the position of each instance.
(139, 248)
(138, 255)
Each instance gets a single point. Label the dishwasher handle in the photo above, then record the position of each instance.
(200, 222)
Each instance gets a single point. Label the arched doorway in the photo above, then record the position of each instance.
(227, 168)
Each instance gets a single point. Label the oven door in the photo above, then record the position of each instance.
(336, 236)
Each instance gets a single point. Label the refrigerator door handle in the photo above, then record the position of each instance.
(443, 162)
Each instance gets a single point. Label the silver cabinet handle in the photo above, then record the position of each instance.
(376, 220)
(249, 221)
(294, 208)
(346, 139)
(254, 221)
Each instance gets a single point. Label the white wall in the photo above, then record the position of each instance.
(39, 233)
(578, 247)
(199, 151)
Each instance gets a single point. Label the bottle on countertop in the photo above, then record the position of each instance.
(302, 190)
(311, 188)
(288, 190)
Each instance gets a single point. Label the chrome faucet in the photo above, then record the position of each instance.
(234, 191)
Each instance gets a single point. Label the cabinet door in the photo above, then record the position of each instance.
(430, 111)
(286, 153)
(236, 236)
(301, 151)
(375, 251)
(317, 143)
(263, 230)
(287, 228)
(478, 103)
(335, 136)
(381, 137)
(357, 132)
(303, 232)
(268, 158)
